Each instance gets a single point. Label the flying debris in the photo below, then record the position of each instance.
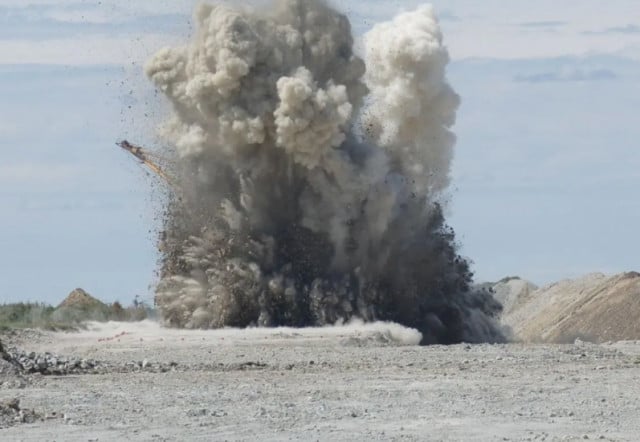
(144, 157)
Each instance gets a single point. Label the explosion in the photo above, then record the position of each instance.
(307, 181)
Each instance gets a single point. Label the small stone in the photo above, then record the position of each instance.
(197, 413)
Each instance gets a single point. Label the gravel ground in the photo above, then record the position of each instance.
(141, 382)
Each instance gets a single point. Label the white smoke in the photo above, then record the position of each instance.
(413, 105)
(307, 185)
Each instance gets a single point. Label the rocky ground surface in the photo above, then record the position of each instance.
(137, 381)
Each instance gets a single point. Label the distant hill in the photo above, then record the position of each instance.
(595, 308)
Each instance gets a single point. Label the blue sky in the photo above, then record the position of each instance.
(546, 172)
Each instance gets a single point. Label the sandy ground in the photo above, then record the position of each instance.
(342, 383)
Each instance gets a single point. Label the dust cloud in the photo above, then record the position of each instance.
(308, 181)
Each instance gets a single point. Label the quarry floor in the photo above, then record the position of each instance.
(342, 383)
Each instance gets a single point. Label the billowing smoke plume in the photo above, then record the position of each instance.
(307, 180)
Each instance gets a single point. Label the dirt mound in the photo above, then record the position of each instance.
(80, 306)
(79, 299)
(512, 293)
(596, 308)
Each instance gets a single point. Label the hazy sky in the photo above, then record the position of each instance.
(547, 167)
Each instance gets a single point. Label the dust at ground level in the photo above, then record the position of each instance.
(346, 383)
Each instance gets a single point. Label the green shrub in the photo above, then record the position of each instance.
(24, 315)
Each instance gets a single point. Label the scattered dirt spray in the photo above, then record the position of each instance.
(307, 180)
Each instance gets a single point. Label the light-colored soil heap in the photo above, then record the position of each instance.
(513, 293)
(596, 308)
(80, 306)
(80, 299)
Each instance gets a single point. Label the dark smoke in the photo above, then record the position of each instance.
(307, 180)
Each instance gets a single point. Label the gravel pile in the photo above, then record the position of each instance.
(50, 364)
(10, 371)
(11, 414)
(8, 367)
(15, 362)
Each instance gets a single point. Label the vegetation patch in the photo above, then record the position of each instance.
(77, 308)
